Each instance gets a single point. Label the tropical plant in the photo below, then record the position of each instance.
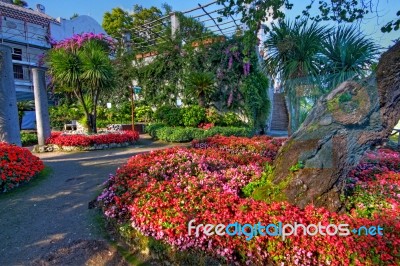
(293, 49)
(193, 115)
(347, 54)
(83, 66)
(293, 55)
(201, 85)
(22, 107)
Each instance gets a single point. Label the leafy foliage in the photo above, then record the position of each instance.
(144, 113)
(193, 115)
(311, 60)
(186, 134)
(201, 85)
(347, 53)
(28, 139)
(169, 115)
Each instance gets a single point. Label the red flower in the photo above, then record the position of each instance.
(17, 165)
(60, 139)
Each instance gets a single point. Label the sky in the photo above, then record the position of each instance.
(96, 9)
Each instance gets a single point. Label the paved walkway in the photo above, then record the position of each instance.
(54, 214)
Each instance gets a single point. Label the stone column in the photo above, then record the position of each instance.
(41, 105)
(174, 25)
(9, 122)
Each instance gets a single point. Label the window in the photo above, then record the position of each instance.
(17, 54)
(18, 72)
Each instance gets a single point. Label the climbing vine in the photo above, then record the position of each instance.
(240, 85)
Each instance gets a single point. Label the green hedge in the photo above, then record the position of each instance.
(28, 139)
(187, 134)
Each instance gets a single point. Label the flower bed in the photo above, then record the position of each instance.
(70, 142)
(260, 145)
(156, 195)
(17, 166)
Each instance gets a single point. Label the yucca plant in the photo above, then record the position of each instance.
(201, 85)
(87, 72)
(347, 53)
(294, 57)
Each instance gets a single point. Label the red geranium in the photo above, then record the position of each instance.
(17, 165)
(81, 140)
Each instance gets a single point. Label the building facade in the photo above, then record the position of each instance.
(29, 33)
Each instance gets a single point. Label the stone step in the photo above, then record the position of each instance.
(280, 119)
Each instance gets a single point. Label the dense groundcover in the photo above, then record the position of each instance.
(158, 193)
(17, 166)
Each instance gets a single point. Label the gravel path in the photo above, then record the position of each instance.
(52, 218)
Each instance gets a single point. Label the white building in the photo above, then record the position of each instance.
(29, 33)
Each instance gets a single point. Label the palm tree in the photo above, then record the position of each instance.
(201, 85)
(86, 71)
(347, 54)
(97, 73)
(294, 50)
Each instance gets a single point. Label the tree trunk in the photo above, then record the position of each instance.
(313, 164)
(89, 122)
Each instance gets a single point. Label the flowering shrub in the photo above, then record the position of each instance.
(17, 165)
(375, 184)
(77, 40)
(160, 192)
(61, 139)
(206, 126)
(374, 163)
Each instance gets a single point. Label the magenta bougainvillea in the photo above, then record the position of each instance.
(77, 40)
(160, 192)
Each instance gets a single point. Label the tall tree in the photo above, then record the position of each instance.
(117, 23)
(82, 65)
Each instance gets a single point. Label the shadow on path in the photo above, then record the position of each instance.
(54, 215)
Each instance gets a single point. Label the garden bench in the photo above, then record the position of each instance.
(71, 126)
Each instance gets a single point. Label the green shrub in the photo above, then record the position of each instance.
(193, 115)
(152, 129)
(231, 119)
(186, 134)
(169, 115)
(63, 114)
(229, 131)
(212, 116)
(29, 139)
(175, 134)
(102, 123)
(144, 113)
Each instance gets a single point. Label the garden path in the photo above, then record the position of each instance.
(50, 222)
